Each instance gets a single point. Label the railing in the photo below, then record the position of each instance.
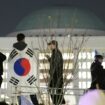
(43, 94)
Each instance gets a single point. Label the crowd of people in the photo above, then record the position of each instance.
(55, 83)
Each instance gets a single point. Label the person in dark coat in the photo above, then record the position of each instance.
(2, 58)
(3, 103)
(56, 74)
(21, 45)
(97, 73)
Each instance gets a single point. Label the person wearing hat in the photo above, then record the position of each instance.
(97, 73)
(56, 74)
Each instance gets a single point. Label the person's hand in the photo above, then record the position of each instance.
(47, 56)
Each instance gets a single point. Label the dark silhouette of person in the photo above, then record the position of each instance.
(3, 103)
(97, 73)
(21, 45)
(2, 58)
(56, 73)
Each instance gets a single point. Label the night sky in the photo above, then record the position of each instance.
(12, 11)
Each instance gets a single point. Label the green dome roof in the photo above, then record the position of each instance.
(61, 18)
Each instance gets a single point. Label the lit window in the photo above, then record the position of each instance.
(84, 85)
(80, 85)
(80, 56)
(84, 75)
(68, 66)
(88, 65)
(44, 66)
(89, 56)
(88, 75)
(43, 85)
(88, 84)
(67, 56)
(84, 55)
(41, 76)
(71, 55)
(84, 65)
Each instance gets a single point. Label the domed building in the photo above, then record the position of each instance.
(60, 22)
(79, 32)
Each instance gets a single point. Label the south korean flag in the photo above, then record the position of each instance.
(22, 73)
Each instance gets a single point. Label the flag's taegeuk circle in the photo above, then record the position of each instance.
(22, 67)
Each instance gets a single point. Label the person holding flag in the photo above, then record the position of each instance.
(21, 58)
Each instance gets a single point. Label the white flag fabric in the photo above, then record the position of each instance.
(25, 101)
(22, 73)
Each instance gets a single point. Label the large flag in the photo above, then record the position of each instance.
(22, 73)
(25, 101)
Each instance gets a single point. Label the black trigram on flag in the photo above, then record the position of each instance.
(13, 54)
(29, 52)
(31, 79)
(14, 81)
